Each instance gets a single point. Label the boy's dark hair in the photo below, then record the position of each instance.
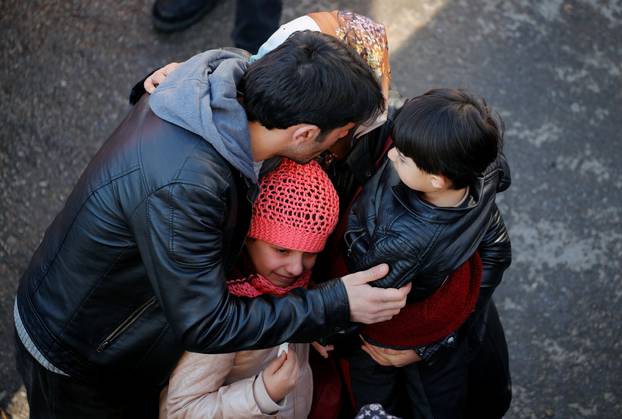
(449, 132)
(311, 78)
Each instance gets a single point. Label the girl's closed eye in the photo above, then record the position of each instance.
(282, 251)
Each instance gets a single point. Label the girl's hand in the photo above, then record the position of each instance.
(158, 77)
(321, 349)
(281, 375)
(390, 357)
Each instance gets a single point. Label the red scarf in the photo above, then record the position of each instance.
(255, 285)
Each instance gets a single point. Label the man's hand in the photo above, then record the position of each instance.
(158, 77)
(390, 357)
(281, 375)
(369, 304)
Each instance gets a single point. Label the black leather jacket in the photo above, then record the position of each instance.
(423, 243)
(131, 272)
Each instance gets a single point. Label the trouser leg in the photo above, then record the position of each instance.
(34, 381)
(55, 396)
(255, 21)
(445, 382)
(489, 384)
(417, 406)
(374, 383)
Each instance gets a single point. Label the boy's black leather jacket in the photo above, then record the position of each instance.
(423, 243)
(131, 272)
(358, 170)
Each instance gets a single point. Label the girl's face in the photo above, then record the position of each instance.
(279, 265)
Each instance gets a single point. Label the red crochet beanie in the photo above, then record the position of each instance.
(297, 207)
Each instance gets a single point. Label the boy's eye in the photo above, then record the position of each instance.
(282, 251)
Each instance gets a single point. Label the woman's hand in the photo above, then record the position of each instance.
(321, 349)
(159, 76)
(281, 375)
(390, 357)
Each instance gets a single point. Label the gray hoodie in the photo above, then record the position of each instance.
(201, 96)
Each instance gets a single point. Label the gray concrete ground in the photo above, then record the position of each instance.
(553, 69)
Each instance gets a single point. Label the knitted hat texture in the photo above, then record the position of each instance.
(297, 207)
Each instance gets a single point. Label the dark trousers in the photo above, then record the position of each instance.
(489, 381)
(399, 390)
(470, 381)
(255, 21)
(52, 396)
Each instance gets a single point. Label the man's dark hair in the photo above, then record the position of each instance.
(449, 132)
(311, 78)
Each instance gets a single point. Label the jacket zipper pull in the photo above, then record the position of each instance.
(103, 345)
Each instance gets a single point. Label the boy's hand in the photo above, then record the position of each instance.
(281, 375)
(369, 304)
(158, 77)
(390, 357)
(321, 349)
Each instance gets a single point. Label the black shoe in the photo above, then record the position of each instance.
(175, 15)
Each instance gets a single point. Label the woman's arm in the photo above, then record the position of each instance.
(196, 389)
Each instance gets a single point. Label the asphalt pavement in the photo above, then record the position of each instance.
(553, 69)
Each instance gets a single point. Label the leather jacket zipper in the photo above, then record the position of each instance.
(131, 319)
(349, 243)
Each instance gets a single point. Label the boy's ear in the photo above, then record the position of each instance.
(303, 133)
(439, 182)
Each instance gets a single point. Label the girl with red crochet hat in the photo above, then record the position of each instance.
(295, 212)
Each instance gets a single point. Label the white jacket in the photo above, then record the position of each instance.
(231, 386)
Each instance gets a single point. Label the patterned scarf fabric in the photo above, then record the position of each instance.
(255, 285)
(368, 38)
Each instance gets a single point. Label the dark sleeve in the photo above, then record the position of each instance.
(496, 253)
(179, 233)
(368, 246)
(139, 89)
(505, 178)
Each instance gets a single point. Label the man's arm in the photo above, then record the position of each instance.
(179, 233)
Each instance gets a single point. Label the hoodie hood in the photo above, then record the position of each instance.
(201, 96)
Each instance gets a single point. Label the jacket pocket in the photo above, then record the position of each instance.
(125, 324)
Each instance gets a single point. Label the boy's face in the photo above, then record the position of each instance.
(279, 265)
(410, 174)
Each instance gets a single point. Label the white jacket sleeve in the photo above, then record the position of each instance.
(196, 390)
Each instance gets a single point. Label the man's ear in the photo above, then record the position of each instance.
(303, 133)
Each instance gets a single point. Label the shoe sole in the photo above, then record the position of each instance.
(166, 27)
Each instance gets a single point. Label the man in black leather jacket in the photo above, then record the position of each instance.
(131, 272)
